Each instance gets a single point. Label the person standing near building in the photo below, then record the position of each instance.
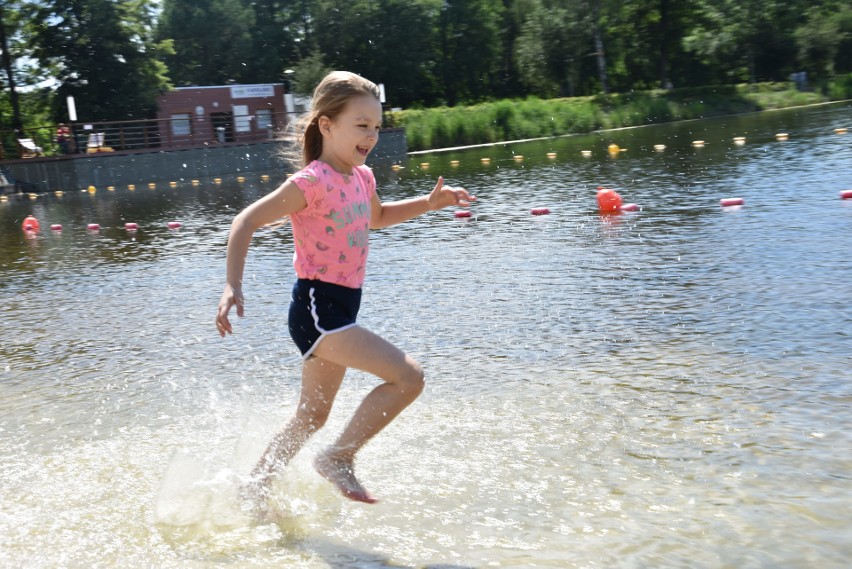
(63, 138)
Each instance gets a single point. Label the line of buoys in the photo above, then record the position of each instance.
(586, 153)
(424, 165)
(263, 178)
(518, 157)
(782, 136)
(728, 202)
(241, 179)
(485, 160)
(173, 184)
(551, 155)
(698, 143)
(846, 194)
(739, 140)
(463, 213)
(394, 167)
(659, 147)
(131, 187)
(152, 185)
(841, 130)
(540, 211)
(92, 189)
(110, 188)
(31, 224)
(454, 163)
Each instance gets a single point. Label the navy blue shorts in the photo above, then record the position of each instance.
(319, 308)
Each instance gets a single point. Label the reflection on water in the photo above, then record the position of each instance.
(663, 388)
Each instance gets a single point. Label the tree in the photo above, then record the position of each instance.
(6, 55)
(103, 54)
(387, 41)
(746, 39)
(212, 41)
(824, 40)
(470, 45)
(554, 42)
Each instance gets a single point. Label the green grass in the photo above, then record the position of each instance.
(534, 118)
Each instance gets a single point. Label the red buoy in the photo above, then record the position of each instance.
(463, 213)
(56, 227)
(173, 224)
(93, 227)
(31, 224)
(727, 202)
(846, 194)
(539, 211)
(608, 200)
(131, 226)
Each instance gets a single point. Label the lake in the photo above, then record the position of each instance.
(664, 388)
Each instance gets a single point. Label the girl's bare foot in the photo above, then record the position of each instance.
(341, 473)
(255, 495)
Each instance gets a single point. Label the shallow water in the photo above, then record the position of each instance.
(666, 388)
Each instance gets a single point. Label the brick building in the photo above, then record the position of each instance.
(220, 114)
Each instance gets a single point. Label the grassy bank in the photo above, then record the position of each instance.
(532, 118)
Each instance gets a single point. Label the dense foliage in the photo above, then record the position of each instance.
(114, 56)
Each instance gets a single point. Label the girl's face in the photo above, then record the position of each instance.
(349, 137)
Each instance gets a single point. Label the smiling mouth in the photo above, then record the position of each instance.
(363, 150)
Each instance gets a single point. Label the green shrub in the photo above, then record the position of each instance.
(534, 117)
(840, 88)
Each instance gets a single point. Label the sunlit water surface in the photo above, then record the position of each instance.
(666, 388)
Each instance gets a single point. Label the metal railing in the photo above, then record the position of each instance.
(140, 135)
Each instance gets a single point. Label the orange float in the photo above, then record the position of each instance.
(31, 224)
(846, 194)
(608, 200)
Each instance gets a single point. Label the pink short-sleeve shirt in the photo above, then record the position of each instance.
(331, 234)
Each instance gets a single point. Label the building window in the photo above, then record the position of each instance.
(181, 124)
(264, 119)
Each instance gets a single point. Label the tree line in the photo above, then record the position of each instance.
(116, 56)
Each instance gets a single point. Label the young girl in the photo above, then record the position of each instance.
(332, 204)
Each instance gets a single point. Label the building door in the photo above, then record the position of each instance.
(223, 126)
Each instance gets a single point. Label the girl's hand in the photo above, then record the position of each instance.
(230, 297)
(442, 197)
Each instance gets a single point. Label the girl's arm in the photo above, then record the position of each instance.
(287, 199)
(387, 214)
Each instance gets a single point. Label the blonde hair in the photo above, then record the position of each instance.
(330, 98)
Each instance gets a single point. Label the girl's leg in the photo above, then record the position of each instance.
(321, 380)
(403, 382)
